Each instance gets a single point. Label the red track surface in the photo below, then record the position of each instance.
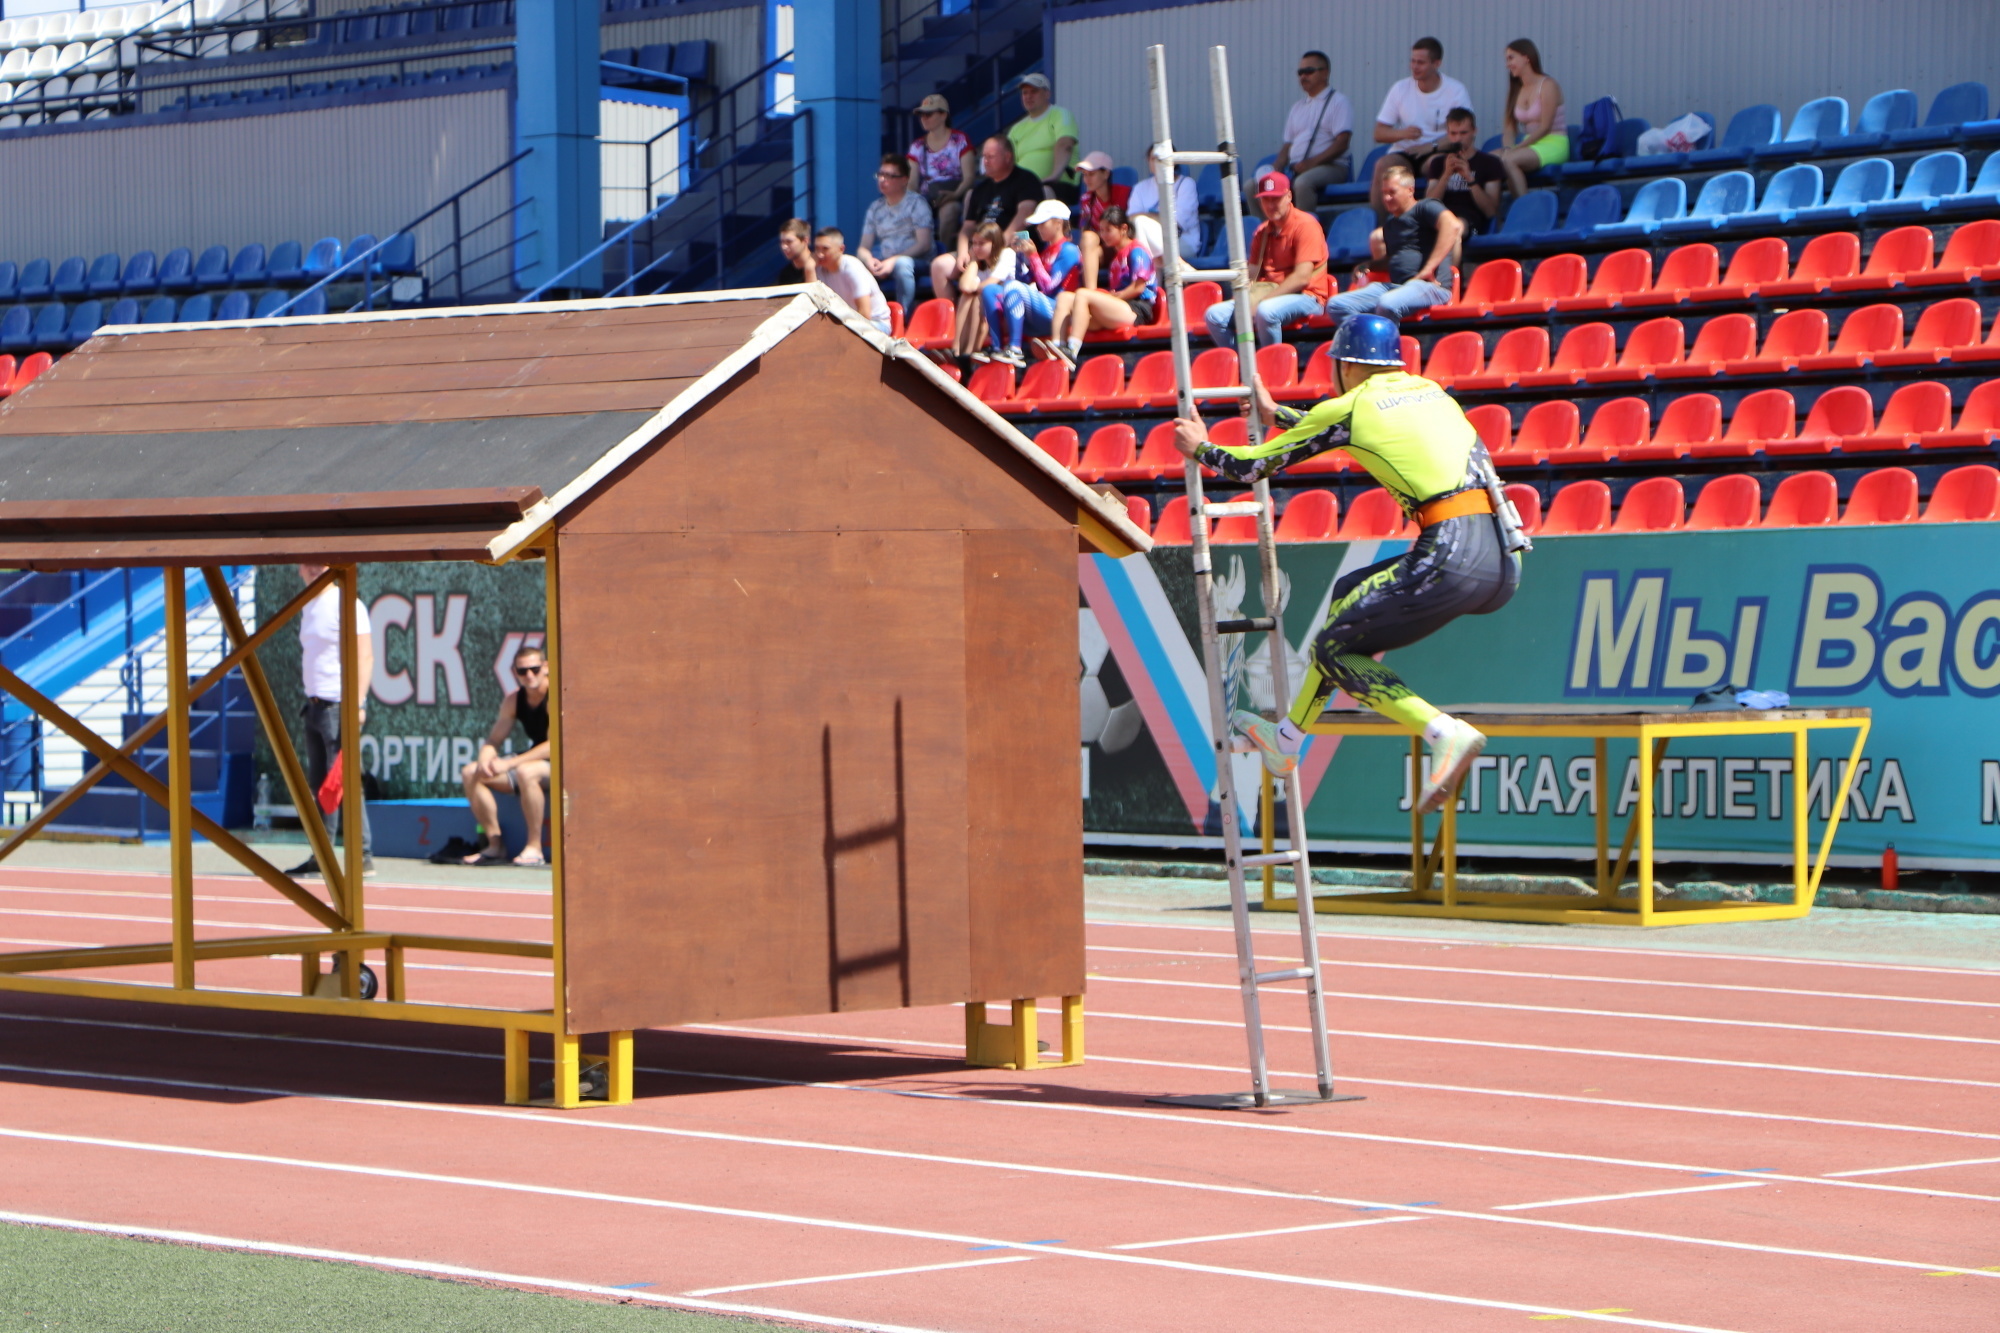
(1793, 1145)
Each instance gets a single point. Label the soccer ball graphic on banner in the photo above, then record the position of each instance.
(1110, 727)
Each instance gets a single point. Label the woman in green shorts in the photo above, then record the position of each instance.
(1534, 133)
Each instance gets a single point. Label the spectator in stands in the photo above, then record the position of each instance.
(1416, 243)
(1044, 139)
(941, 162)
(1131, 293)
(824, 258)
(1317, 131)
(525, 774)
(1143, 207)
(1412, 115)
(1288, 261)
(1461, 177)
(1041, 275)
(989, 261)
(897, 230)
(1534, 133)
(1005, 195)
(1098, 194)
(319, 673)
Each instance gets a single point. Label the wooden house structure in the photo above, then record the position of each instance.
(811, 618)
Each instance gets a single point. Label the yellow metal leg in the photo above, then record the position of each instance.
(1072, 1030)
(1016, 1045)
(1419, 869)
(1448, 846)
(1647, 771)
(1606, 890)
(393, 964)
(1267, 806)
(308, 973)
(516, 1046)
(1026, 1043)
(568, 1047)
(618, 1069)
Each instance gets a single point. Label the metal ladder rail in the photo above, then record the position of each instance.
(1166, 159)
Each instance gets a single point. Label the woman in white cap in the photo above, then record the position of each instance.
(940, 164)
(1042, 275)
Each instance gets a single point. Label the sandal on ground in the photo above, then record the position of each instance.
(486, 858)
(530, 859)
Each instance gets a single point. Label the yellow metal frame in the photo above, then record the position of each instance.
(342, 920)
(1434, 890)
(1015, 1045)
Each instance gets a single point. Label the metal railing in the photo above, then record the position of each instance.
(975, 91)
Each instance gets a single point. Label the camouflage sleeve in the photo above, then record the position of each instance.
(1304, 434)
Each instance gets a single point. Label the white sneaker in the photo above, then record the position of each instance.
(1011, 357)
(1264, 736)
(1451, 758)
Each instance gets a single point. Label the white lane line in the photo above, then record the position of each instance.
(1333, 964)
(1921, 1166)
(1542, 1009)
(877, 1229)
(876, 1272)
(373, 906)
(1285, 928)
(448, 1270)
(1636, 1194)
(1254, 1235)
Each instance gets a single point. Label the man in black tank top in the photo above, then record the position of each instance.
(525, 774)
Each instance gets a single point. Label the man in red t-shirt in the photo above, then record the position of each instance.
(1288, 273)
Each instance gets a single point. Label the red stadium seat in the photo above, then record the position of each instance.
(1172, 529)
(1140, 510)
(1580, 507)
(7, 368)
(1156, 458)
(1755, 263)
(1656, 504)
(1151, 385)
(1965, 495)
(1549, 428)
(1454, 355)
(1793, 336)
(1495, 426)
(1528, 504)
(1616, 427)
(1732, 501)
(1196, 298)
(1413, 355)
(1375, 516)
(1044, 380)
(1060, 443)
(1944, 330)
(1584, 348)
(31, 365)
(1886, 495)
(1985, 351)
(1098, 378)
(1110, 446)
(1619, 274)
(1902, 251)
(1494, 281)
(1978, 421)
(952, 372)
(1690, 420)
(992, 383)
(1871, 329)
(1685, 270)
(1914, 411)
(1656, 343)
(1803, 500)
(1235, 529)
(1836, 254)
(895, 319)
(1972, 252)
(930, 326)
(1760, 419)
(1519, 352)
(1723, 339)
(1278, 366)
(1837, 413)
(1315, 377)
(1556, 278)
(1310, 516)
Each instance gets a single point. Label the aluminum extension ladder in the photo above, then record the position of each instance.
(1166, 158)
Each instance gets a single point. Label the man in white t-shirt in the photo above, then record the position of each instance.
(1143, 207)
(1317, 131)
(848, 276)
(1412, 116)
(319, 671)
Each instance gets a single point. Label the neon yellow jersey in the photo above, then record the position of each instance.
(1408, 433)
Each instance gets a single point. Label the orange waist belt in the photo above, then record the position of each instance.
(1454, 506)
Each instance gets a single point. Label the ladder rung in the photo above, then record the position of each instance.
(1253, 625)
(1199, 159)
(1226, 274)
(1233, 509)
(1225, 391)
(1261, 859)
(1289, 974)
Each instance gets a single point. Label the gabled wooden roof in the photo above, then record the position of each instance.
(441, 434)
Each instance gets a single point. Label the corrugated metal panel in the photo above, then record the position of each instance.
(293, 176)
(738, 35)
(1659, 61)
(627, 173)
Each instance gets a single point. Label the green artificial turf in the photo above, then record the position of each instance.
(83, 1282)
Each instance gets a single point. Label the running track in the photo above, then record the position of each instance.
(1567, 1131)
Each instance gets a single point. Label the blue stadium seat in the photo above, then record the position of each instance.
(85, 320)
(287, 263)
(1594, 206)
(323, 259)
(51, 323)
(1983, 197)
(71, 277)
(124, 310)
(312, 303)
(197, 309)
(1125, 176)
(693, 60)
(659, 57)
(357, 247)
(1347, 236)
(234, 305)
(1532, 214)
(1931, 178)
(1821, 118)
(103, 277)
(619, 55)
(1957, 105)
(1623, 143)
(399, 254)
(17, 329)
(1798, 186)
(212, 269)
(1750, 129)
(177, 270)
(10, 280)
(248, 270)
(1883, 114)
(1859, 184)
(142, 273)
(1358, 187)
(268, 303)
(1208, 189)
(1721, 196)
(34, 284)
(1657, 202)
(159, 310)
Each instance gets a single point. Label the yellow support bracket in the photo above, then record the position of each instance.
(571, 1063)
(1015, 1045)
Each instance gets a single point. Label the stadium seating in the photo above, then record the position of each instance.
(1945, 327)
(1375, 516)
(1841, 411)
(1803, 500)
(1619, 274)
(1859, 185)
(1494, 425)
(1722, 340)
(1983, 197)
(1580, 507)
(1965, 495)
(1278, 366)
(1519, 352)
(1978, 421)
(1826, 257)
(1871, 329)
(1796, 187)
(1654, 344)
(1532, 214)
(1347, 236)
(1172, 527)
(1954, 106)
(69, 279)
(1886, 495)
(1492, 282)
(1548, 429)
(1881, 114)
(1528, 504)
(1098, 379)
(1615, 427)
(1656, 504)
(1044, 381)
(1657, 203)
(1760, 419)
(1792, 336)
(1689, 421)
(1234, 529)
(1454, 356)
(991, 383)
(1750, 129)
(1913, 411)
(1904, 250)
(1928, 180)
(1720, 197)
(1555, 278)
(1585, 347)
(1732, 501)
(1156, 459)
(1310, 516)
(1109, 446)
(930, 324)
(1686, 269)
(1972, 253)
(1060, 443)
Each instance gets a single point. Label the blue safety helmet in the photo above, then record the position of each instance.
(1369, 340)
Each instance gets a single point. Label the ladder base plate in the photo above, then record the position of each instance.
(1247, 1101)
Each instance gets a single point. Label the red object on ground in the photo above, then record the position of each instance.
(330, 791)
(1889, 867)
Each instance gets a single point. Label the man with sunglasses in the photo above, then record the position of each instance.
(525, 774)
(1317, 131)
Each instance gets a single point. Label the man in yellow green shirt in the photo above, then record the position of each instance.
(1045, 140)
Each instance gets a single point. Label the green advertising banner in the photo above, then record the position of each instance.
(1904, 620)
(444, 637)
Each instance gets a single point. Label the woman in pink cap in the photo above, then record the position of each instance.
(1098, 194)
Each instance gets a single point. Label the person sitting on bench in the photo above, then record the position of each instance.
(525, 774)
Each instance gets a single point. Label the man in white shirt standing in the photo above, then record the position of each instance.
(1317, 131)
(319, 670)
(1412, 116)
(829, 262)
